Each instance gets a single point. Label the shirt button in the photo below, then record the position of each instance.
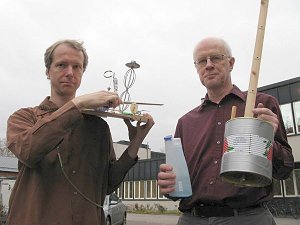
(218, 142)
(211, 182)
(73, 171)
(219, 123)
(215, 162)
(75, 193)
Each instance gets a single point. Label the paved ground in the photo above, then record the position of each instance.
(287, 221)
(148, 219)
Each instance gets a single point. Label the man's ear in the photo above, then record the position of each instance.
(231, 63)
(47, 74)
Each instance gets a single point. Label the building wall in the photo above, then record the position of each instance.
(143, 153)
(288, 95)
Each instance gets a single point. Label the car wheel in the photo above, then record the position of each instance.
(107, 221)
(124, 219)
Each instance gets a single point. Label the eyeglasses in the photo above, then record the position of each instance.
(213, 58)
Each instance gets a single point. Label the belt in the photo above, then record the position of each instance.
(218, 211)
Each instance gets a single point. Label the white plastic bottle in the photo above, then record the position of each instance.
(175, 157)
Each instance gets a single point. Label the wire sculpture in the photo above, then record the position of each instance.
(128, 81)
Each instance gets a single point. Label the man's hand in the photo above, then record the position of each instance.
(138, 133)
(267, 115)
(97, 99)
(166, 179)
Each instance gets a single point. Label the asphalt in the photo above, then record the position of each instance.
(150, 219)
(287, 221)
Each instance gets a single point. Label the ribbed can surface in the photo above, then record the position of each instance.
(247, 152)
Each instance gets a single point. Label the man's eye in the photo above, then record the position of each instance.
(202, 61)
(77, 67)
(215, 57)
(61, 65)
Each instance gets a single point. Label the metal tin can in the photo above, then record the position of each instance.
(247, 152)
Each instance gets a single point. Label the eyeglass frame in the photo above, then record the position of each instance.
(204, 59)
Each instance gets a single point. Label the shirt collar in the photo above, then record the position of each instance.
(234, 91)
(47, 105)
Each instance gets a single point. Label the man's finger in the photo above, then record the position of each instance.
(127, 122)
(260, 105)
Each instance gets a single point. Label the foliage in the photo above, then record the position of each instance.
(4, 151)
(3, 215)
(147, 209)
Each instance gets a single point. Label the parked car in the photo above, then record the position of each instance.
(114, 210)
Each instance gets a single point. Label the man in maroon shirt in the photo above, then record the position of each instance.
(201, 130)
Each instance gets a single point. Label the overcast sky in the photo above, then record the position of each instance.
(158, 34)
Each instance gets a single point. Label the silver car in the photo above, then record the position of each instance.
(114, 210)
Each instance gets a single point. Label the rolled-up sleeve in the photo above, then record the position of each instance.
(26, 133)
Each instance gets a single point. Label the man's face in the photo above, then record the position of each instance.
(215, 73)
(65, 71)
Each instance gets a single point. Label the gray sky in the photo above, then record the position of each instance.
(159, 34)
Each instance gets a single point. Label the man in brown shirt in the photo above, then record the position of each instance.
(201, 130)
(67, 164)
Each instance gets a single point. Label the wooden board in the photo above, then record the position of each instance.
(94, 112)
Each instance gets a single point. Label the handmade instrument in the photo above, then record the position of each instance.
(248, 141)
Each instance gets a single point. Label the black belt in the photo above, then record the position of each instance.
(217, 211)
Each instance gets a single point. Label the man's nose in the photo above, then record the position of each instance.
(209, 63)
(69, 70)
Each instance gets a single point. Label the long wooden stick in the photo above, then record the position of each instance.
(252, 90)
(233, 112)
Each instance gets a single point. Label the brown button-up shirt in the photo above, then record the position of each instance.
(41, 194)
(202, 131)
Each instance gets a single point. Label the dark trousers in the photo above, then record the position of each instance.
(255, 216)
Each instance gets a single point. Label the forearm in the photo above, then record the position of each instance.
(283, 161)
(134, 147)
(118, 170)
(30, 138)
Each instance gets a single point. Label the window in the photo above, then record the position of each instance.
(297, 115)
(151, 189)
(139, 189)
(289, 185)
(277, 187)
(286, 111)
(160, 195)
(128, 190)
(118, 192)
(113, 197)
(297, 180)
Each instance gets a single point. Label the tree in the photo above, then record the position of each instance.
(4, 151)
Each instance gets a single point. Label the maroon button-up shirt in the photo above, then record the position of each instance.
(202, 131)
(41, 194)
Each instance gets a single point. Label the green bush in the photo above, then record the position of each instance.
(157, 209)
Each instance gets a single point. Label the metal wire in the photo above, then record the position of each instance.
(128, 81)
(73, 185)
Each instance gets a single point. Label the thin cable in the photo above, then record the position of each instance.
(73, 185)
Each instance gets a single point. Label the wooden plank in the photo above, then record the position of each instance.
(94, 112)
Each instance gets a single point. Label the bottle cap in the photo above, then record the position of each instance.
(168, 138)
